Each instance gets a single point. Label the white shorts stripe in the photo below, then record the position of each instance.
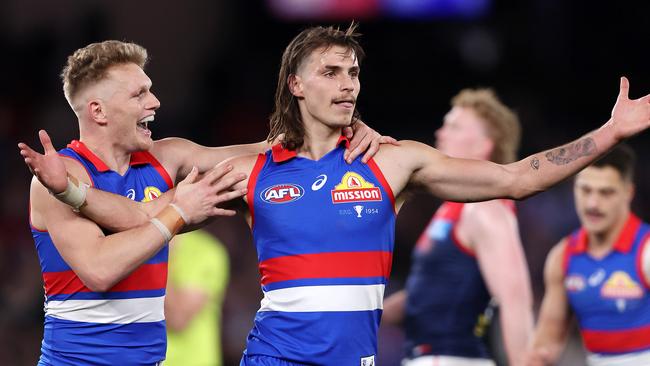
(447, 361)
(629, 359)
(324, 298)
(119, 311)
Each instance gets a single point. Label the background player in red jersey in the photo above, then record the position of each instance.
(599, 274)
(468, 253)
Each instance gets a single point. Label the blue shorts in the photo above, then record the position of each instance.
(262, 360)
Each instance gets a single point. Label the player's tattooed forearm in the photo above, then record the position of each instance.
(568, 153)
(534, 163)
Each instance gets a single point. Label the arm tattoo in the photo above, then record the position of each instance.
(568, 153)
(534, 163)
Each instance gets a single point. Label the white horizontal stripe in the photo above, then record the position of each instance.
(447, 361)
(324, 298)
(628, 359)
(119, 311)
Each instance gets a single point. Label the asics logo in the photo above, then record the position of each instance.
(319, 183)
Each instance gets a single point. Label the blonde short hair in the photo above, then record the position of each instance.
(91, 63)
(501, 123)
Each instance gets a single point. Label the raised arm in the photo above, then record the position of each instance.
(111, 211)
(473, 180)
(100, 260)
(490, 228)
(552, 328)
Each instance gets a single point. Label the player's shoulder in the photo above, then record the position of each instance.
(556, 256)
(488, 212)
(76, 168)
(170, 147)
(406, 150)
(243, 163)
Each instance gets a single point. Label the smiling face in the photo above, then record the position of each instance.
(327, 86)
(602, 199)
(127, 106)
(463, 135)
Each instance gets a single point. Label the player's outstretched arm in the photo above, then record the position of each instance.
(179, 155)
(550, 335)
(472, 180)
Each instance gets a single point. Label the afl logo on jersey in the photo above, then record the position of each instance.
(151, 193)
(282, 193)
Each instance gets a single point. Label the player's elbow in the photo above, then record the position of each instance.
(97, 280)
(518, 185)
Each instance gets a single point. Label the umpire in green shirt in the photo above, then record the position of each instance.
(198, 277)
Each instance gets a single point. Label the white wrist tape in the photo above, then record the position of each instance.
(162, 228)
(180, 212)
(74, 194)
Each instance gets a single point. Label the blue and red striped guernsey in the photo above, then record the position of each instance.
(126, 324)
(324, 233)
(609, 295)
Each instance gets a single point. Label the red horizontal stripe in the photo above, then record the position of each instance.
(146, 277)
(326, 265)
(617, 341)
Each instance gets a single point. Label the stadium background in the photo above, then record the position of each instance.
(214, 66)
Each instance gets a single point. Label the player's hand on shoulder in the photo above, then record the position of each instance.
(364, 139)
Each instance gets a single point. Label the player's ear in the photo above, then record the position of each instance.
(97, 112)
(295, 85)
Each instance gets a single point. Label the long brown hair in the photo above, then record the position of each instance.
(286, 117)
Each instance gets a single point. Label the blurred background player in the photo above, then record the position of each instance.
(198, 278)
(600, 273)
(468, 254)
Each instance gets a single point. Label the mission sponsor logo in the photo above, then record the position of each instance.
(282, 193)
(353, 188)
(621, 286)
(151, 193)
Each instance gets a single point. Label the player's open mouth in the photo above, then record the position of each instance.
(143, 125)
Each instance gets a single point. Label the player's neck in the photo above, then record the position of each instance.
(319, 140)
(111, 154)
(603, 242)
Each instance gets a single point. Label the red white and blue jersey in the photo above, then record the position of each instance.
(609, 295)
(446, 292)
(324, 232)
(126, 324)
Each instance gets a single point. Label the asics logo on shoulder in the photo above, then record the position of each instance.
(319, 183)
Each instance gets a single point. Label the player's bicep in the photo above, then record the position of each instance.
(462, 180)
(184, 154)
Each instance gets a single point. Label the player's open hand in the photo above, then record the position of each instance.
(49, 167)
(199, 198)
(630, 116)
